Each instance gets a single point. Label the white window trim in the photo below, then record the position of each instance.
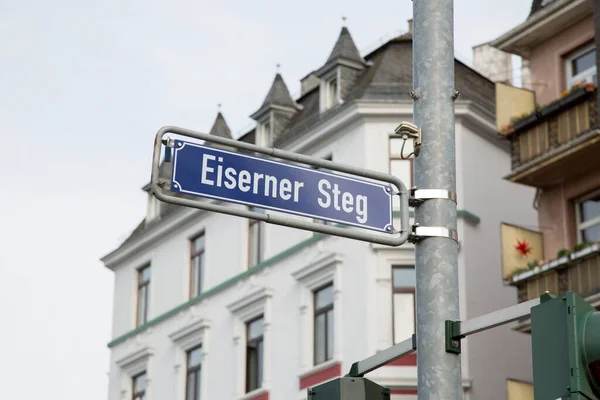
(586, 75)
(387, 258)
(325, 96)
(245, 309)
(132, 364)
(322, 271)
(186, 338)
(265, 136)
(584, 225)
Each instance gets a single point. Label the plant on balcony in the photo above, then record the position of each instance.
(562, 253)
(581, 246)
(588, 86)
(530, 265)
(520, 121)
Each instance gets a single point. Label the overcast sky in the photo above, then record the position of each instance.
(84, 86)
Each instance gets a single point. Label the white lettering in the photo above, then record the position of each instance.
(285, 189)
(336, 200)
(347, 202)
(257, 178)
(324, 203)
(244, 180)
(361, 209)
(219, 173)
(297, 186)
(206, 168)
(273, 181)
(230, 182)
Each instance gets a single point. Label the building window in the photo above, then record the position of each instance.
(332, 93)
(194, 365)
(581, 66)
(403, 302)
(399, 167)
(255, 241)
(143, 294)
(197, 265)
(139, 386)
(323, 324)
(267, 134)
(588, 218)
(254, 354)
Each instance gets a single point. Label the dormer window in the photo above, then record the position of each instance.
(332, 93)
(267, 133)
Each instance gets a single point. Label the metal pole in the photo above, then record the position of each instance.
(439, 372)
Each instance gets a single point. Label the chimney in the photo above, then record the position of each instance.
(410, 21)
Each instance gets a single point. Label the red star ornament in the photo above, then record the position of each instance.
(523, 247)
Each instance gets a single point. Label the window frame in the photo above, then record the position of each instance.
(333, 90)
(587, 75)
(403, 290)
(193, 255)
(253, 345)
(142, 284)
(140, 395)
(267, 132)
(320, 311)
(196, 371)
(579, 225)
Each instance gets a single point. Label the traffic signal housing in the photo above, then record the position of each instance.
(565, 339)
(349, 388)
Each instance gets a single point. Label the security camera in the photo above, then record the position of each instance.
(410, 130)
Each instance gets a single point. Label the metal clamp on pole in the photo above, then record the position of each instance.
(418, 196)
(421, 232)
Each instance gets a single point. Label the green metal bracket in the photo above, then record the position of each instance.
(453, 337)
(353, 371)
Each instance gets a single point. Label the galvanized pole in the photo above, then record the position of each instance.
(439, 372)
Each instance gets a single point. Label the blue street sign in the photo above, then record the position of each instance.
(238, 178)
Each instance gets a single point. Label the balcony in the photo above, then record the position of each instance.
(578, 272)
(557, 142)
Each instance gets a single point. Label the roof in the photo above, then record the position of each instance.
(279, 94)
(345, 48)
(537, 5)
(220, 127)
(387, 76)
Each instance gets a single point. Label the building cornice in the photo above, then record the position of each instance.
(510, 41)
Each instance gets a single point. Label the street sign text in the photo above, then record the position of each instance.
(238, 178)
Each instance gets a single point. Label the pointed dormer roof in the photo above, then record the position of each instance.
(345, 49)
(220, 127)
(278, 96)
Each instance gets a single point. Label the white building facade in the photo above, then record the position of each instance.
(210, 306)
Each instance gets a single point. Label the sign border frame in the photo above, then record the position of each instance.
(396, 238)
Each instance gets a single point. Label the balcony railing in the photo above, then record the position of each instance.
(553, 126)
(577, 272)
